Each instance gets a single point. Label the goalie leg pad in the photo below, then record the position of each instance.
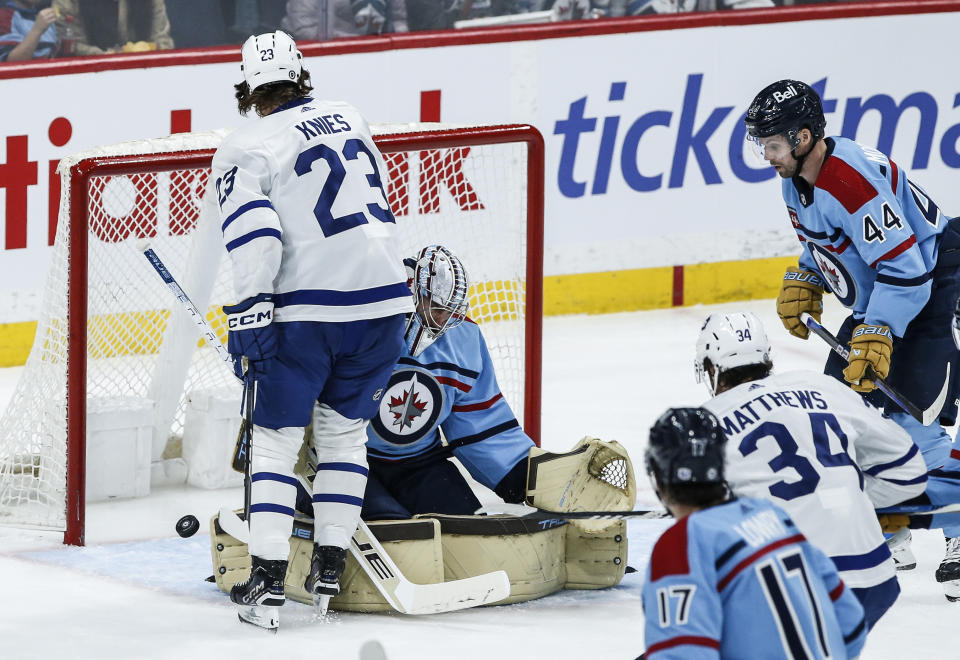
(273, 492)
(596, 556)
(531, 552)
(341, 474)
(594, 476)
(414, 545)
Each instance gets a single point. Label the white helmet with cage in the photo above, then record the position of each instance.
(439, 284)
(270, 57)
(729, 341)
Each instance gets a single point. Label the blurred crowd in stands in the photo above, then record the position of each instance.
(31, 29)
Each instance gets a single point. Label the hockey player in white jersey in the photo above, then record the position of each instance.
(322, 297)
(816, 448)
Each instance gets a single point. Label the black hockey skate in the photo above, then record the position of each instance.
(948, 574)
(323, 582)
(261, 595)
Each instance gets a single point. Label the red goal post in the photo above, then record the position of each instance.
(110, 337)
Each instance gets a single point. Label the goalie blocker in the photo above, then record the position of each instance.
(540, 557)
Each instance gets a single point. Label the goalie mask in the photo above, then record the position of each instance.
(270, 57)
(729, 341)
(439, 284)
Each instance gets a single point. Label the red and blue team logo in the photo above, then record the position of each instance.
(835, 274)
(409, 408)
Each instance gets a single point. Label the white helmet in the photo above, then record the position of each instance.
(730, 341)
(270, 57)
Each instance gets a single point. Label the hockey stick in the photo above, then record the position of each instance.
(926, 509)
(210, 335)
(249, 401)
(925, 417)
(401, 594)
(208, 332)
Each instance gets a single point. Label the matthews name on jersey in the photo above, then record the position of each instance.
(811, 444)
(721, 580)
(869, 231)
(451, 387)
(304, 183)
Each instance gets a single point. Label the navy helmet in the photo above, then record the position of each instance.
(786, 107)
(686, 447)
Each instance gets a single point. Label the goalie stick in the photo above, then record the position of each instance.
(400, 593)
(925, 417)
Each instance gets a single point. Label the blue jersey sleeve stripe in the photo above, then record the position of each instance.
(269, 507)
(856, 632)
(883, 278)
(334, 298)
(448, 366)
(729, 554)
(859, 562)
(338, 498)
(796, 538)
(483, 435)
(343, 467)
(874, 470)
(907, 482)
(273, 476)
(246, 238)
(249, 206)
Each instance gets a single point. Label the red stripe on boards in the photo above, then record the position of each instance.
(677, 293)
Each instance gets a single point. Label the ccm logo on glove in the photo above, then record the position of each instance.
(253, 319)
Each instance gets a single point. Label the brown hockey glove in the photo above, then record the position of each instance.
(802, 291)
(891, 523)
(870, 346)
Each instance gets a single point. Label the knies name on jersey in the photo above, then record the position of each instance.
(740, 419)
(324, 125)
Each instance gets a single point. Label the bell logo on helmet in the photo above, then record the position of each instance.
(788, 93)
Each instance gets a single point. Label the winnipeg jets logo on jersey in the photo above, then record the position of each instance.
(410, 407)
(843, 284)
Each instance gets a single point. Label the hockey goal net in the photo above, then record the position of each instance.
(112, 340)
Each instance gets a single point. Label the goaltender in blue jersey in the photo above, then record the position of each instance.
(442, 399)
(734, 578)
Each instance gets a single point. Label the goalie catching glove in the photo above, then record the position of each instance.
(251, 332)
(870, 347)
(802, 291)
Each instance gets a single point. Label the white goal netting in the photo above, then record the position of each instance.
(142, 356)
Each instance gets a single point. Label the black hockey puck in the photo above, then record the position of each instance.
(188, 526)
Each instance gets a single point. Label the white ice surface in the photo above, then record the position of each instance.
(137, 591)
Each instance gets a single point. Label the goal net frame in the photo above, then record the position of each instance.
(406, 138)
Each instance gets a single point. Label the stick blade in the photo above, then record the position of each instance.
(454, 595)
(932, 413)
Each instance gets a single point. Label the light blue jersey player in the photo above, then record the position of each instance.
(734, 578)
(877, 241)
(442, 399)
